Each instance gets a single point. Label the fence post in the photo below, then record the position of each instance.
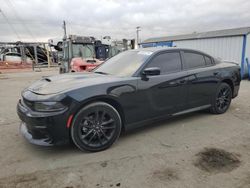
(35, 53)
(47, 54)
(248, 68)
(23, 55)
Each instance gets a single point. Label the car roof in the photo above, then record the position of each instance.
(159, 49)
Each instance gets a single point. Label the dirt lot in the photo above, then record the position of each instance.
(194, 150)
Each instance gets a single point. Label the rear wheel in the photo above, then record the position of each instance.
(96, 127)
(222, 99)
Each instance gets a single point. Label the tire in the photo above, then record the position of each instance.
(96, 127)
(222, 99)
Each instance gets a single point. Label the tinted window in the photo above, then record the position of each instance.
(208, 60)
(167, 62)
(194, 60)
(125, 63)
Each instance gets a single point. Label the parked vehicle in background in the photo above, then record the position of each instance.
(79, 64)
(14, 53)
(15, 58)
(131, 88)
(76, 47)
(83, 56)
(81, 53)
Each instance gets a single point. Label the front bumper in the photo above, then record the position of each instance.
(44, 129)
(41, 142)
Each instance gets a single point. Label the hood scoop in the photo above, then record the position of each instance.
(47, 79)
(64, 82)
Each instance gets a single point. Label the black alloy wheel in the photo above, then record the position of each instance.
(222, 99)
(96, 127)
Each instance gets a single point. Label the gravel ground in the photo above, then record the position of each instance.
(164, 154)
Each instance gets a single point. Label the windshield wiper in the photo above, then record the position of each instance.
(99, 72)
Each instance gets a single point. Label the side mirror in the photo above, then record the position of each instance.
(152, 71)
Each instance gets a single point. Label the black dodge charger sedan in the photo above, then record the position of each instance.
(133, 88)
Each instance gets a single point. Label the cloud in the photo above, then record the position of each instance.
(39, 20)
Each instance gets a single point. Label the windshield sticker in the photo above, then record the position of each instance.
(145, 52)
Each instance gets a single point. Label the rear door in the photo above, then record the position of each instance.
(202, 79)
(165, 93)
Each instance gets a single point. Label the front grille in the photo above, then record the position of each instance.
(38, 133)
(28, 103)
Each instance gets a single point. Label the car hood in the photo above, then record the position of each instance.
(69, 81)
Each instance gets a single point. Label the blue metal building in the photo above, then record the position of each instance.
(227, 44)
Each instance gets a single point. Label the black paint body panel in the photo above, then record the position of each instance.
(136, 99)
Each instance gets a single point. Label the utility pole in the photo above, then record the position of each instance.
(65, 31)
(138, 28)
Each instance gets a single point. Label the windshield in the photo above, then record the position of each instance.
(124, 64)
(83, 50)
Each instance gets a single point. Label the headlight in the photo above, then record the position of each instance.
(48, 106)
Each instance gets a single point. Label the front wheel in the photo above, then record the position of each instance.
(222, 99)
(96, 127)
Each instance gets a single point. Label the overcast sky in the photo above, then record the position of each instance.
(39, 20)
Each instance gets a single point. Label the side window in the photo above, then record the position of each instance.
(208, 60)
(194, 60)
(167, 62)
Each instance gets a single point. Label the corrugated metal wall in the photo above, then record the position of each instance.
(227, 48)
(248, 47)
(157, 44)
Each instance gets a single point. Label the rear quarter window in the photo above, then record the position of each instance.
(208, 60)
(194, 60)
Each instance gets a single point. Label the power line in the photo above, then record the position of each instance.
(11, 26)
(15, 22)
(19, 18)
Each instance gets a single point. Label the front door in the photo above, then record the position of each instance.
(165, 93)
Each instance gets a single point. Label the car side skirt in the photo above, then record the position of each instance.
(192, 110)
(165, 117)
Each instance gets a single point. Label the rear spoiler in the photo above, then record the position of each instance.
(225, 61)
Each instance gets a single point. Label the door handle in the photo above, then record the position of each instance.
(216, 73)
(178, 82)
(172, 83)
(182, 81)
